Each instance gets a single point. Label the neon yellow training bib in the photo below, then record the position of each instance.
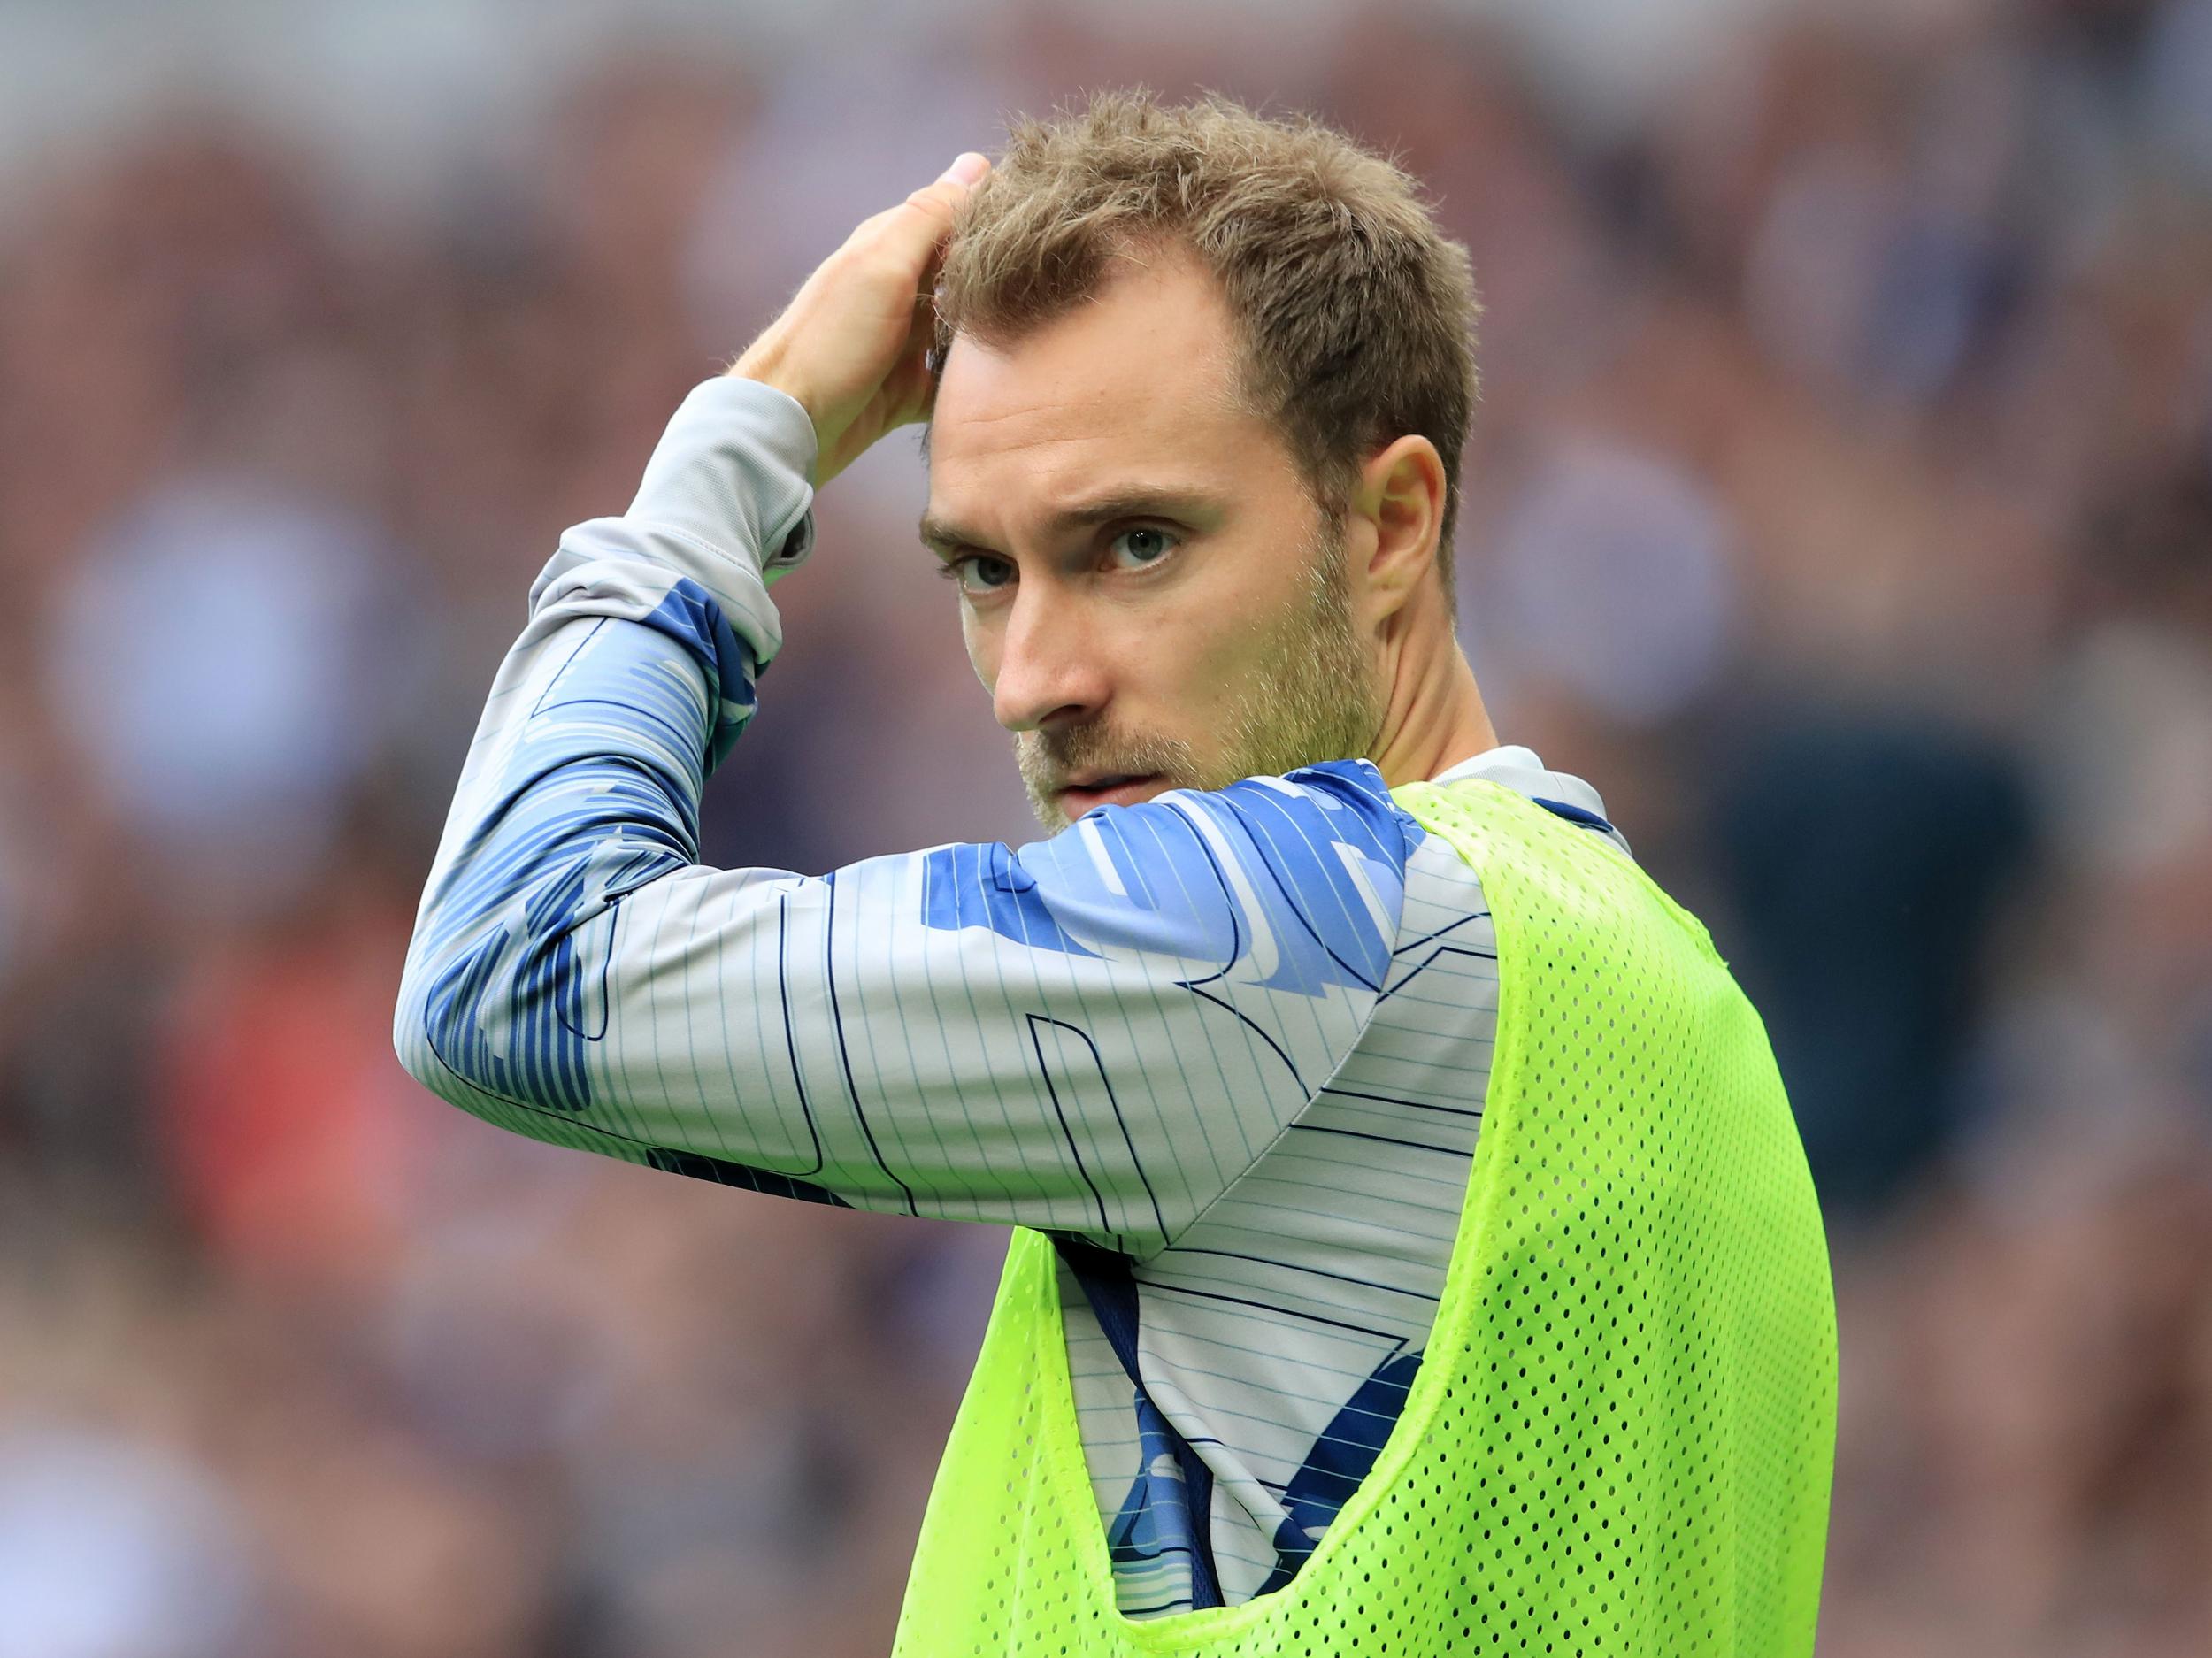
(1621, 1437)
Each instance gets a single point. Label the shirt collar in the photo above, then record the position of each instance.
(1520, 768)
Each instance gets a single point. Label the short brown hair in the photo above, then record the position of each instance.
(1356, 313)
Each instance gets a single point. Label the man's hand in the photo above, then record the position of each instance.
(851, 345)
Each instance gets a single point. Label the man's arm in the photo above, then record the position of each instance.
(1098, 1032)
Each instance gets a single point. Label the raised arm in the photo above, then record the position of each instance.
(1097, 1033)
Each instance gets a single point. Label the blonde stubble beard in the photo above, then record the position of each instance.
(1313, 699)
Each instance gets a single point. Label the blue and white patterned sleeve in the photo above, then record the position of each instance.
(1097, 1033)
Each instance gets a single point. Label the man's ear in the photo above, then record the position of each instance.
(1401, 494)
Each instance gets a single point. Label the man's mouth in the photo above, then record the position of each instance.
(1117, 788)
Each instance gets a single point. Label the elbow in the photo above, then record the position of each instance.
(425, 1035)
(412, 1039)
(495, 1023)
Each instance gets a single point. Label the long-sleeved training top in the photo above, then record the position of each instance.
(1228, 1048)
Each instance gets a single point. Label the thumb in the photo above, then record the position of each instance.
(968, 167)
(921, 223)
(940, 201)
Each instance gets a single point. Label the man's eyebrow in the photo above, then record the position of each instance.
(1136, 501)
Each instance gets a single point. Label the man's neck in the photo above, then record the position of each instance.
(1435, 718)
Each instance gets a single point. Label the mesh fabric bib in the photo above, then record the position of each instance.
(1621, 1435)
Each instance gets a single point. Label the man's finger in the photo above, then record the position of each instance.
(938, 201)
(968, 167)
(917, 232)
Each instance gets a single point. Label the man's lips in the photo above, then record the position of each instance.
(1106, 789)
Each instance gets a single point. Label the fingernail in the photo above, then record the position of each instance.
(967, 167)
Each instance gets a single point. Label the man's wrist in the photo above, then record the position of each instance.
(733, 471)
(725, 501)
(766, 367)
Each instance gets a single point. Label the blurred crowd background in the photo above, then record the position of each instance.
(1839, 503)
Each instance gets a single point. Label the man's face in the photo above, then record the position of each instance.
(1147, 590)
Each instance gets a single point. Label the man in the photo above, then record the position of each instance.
(1293, 1350)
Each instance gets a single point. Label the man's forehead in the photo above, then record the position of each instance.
(1147, 362)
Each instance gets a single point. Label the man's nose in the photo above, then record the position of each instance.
(1050, 670)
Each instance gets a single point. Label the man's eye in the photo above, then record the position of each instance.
(1142, 546)
(980, 573)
